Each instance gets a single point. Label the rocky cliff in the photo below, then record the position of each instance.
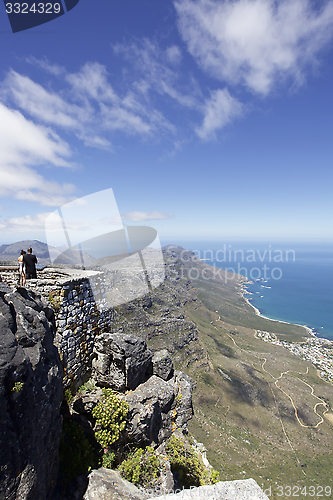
(30, 397)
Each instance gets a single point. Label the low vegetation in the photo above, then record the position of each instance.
(185, 461)
(141, 467)
(110, 414)
(18, 386)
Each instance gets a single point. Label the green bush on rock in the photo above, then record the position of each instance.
(186, 462)
(141, 467)
(110, 414)
(108, 459)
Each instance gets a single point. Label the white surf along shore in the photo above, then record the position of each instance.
(244, 292)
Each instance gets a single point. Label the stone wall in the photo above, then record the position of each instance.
(78, 319)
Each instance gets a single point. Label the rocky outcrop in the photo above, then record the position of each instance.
(162, 364)
(122, 361)
(158, 407)
(30, 397)
(106, 484)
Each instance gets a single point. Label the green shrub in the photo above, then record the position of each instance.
(214, 476)
(108, 459)
(68, 396)
(141, 467)
(18, 386)
(110, 414)
(55, 301)
(87, 386)
(186, 462)
(76, 454)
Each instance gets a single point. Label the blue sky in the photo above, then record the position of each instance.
(209, 119)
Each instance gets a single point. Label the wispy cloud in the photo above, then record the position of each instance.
(86, 105)
(44, 64)
(144, 216)
(39, 103)
(154, 72)
(157, 72)
(27, 223)
(219, 110)
(24, 144)
(256, 43)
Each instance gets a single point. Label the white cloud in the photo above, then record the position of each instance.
(92, 80)
(27, 223)
(52, 109)
(86, 106)
(255, 42)
(54, 69)
(219, 110)
(173, 54)
(155, 72)
(44, 105)
(24, 144)
(144, 216)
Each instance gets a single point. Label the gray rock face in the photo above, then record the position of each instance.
(122, 361)
(162, 364)
(30, 397)
(86, 402)
(183, 393)
(106, 484)
(157, 408)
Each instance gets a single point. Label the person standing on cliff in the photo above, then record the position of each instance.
(22, 268)
(30, 261)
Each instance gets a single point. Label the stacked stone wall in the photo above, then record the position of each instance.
(78, 322)
(78, 319)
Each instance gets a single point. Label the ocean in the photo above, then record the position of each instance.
(291, 281)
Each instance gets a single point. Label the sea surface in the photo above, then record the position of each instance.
(291, 281)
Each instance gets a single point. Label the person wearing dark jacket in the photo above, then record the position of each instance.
(30, 261)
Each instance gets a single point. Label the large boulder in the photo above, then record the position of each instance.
(30, 397)
(183, 393)
(106, 484)
(162, 364)
(122, 361)
(157, 408)
(84, 402)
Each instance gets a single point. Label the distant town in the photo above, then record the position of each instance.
(318, 351)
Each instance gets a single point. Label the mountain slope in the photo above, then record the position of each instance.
(255, 402)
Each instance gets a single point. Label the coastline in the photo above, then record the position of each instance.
(310, 331)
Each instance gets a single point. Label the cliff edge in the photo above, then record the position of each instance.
(30, 397)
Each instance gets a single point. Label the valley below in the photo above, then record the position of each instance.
(260, 410)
